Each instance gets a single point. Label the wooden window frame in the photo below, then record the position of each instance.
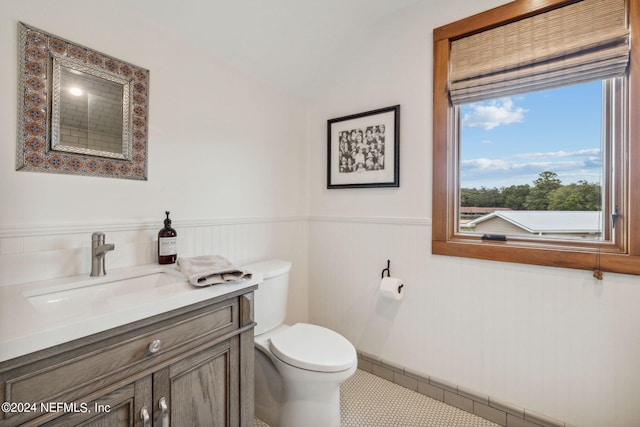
(622, 256)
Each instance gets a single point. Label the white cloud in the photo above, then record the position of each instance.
(524, 168)
(491, 114)
(592, 152)
(486, 164)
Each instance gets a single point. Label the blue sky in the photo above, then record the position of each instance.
(511, 140)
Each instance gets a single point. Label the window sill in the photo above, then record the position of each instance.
(569, 256)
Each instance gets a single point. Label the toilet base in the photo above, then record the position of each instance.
(286, 396)
(310, 406)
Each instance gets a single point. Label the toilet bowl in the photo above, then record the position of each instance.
(298, 368)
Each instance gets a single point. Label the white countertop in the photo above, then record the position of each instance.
(38, 315)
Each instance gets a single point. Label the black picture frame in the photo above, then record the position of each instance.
(363, 150)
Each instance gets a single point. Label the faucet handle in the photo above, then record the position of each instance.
(98, 236)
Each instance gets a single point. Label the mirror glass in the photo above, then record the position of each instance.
(90, 111)
(80, 111)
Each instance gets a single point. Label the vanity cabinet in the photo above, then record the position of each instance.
(192, 366)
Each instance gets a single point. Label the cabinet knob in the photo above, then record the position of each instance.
(154, 346)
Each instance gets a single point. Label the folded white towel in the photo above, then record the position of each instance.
(208, 270)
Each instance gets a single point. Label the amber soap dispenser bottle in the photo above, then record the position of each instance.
(167, 243)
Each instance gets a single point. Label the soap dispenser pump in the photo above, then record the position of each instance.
(167, 243)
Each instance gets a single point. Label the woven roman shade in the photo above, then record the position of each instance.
(577, 43)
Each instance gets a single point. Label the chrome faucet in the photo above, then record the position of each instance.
(98, 250)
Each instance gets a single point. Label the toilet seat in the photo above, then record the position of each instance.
(313, 348)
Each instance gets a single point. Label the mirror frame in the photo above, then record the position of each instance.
(37, 116)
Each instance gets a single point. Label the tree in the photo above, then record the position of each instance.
(515, 197)
(581, 196)
(468, 196)
(548, 193)
(591, 195)
(483, 197)
(538, 198)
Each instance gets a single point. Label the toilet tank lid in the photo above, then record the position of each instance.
(269, 268)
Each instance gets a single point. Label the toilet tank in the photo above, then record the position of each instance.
(270, 299)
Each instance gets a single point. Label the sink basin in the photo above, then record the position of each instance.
(80, 292)
(41, 314)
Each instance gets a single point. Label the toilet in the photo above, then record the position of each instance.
(298, 368)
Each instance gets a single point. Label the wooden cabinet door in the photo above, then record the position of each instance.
(201, 389)
(122, 407)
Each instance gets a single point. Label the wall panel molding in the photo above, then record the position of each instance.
(373, 220)
(56, 229)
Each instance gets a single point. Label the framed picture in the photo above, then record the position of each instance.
(364, 149)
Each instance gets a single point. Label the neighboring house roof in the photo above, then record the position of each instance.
(474, 210)
(548, 221)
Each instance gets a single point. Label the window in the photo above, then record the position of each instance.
(532, 164)
(498, 193)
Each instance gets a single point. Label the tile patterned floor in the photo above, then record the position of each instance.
(370, 401)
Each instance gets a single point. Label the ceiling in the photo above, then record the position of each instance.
(294, 44)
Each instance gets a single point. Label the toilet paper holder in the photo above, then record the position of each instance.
(388, 270)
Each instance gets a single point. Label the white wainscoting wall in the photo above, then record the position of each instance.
(554, 341)
(43, 252)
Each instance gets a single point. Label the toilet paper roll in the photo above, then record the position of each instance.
(391, 287)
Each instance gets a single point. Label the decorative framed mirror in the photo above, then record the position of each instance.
(80, 111)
